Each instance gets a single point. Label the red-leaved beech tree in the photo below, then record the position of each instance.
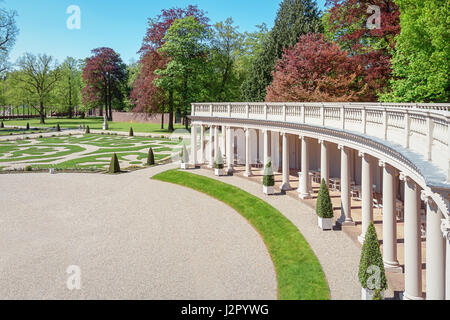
(104, 75)
(371, 45)
(316, 70)
(145, 95)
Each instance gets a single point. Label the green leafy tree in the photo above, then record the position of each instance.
(371, 264)
(39, 75)
(294, 18)
(421, 61)
(8, 35)
(324, 207)
(67, 90)
(186, 43)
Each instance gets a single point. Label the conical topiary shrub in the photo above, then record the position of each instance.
(150, 157)
(28, 126)
(114, 166)
(371, 268)
(88, 130)
(131, 132)
(268, 179)
(218, 163)
(324, 207)
(2, 125)
(58, 128)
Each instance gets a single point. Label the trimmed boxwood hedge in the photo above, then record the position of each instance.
(324, 207)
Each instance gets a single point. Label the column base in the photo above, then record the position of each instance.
(286, 186)
(304, 196)
(347, 222)
(410, 297)
(392, 267)
(229, 171)
(248, 174)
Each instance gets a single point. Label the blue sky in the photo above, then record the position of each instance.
(119, 24)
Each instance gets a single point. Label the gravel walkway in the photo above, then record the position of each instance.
(337, 253)
(132, 237)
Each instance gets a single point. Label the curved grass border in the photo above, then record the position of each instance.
(299, 273)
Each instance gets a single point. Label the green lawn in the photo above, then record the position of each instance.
(299, 273)
(93, 123)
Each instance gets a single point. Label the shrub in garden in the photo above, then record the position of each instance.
(150, 157)
(114, 166)
(269, 178)
(2, 125)
(131, 132)
(218, 162)
(28, 126)
(377, 295)
(58, 128)
(324, 207)
(371, 260)
(28, 168)
(88, 130)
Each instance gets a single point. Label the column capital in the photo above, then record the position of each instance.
(404, 177)
(362, 154)
(341, 146)
(283, 133)
(322, 141)
(445, 227)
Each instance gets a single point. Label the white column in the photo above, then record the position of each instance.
(435, 251)
(366, 194)
(202, 144)
(346, 210)
(224, 139)
(286, 185)
(324, 164)
(304, 183)
(211, 147)
(413, 252)
(266, 146)
(389, 219)
(248, 167)
(194, 145)
(445, 227)
(230, 151)
(216, 142)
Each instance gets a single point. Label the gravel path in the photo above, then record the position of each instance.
(132, 237)
(337, 253)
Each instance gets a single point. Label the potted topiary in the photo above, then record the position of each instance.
(184, 155)
(268, 179)
(324, 207)
(131, 134)
(371, 268)
(218, 164)
(150, 158)
(58, 128)
(2, 125)
(114, 166)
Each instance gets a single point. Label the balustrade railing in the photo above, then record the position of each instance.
(423, 128)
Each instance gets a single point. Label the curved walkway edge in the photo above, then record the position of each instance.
(337, 253)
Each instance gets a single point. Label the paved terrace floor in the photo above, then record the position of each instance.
(132, 237)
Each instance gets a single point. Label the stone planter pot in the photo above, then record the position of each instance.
(269, 190)
(367, 294)
(325, 223)
(184, 166)
(218, 172)
(51, 171)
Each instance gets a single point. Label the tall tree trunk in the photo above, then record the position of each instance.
(162, 120)
(109, 99)
(42, 112)
(171, 129)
